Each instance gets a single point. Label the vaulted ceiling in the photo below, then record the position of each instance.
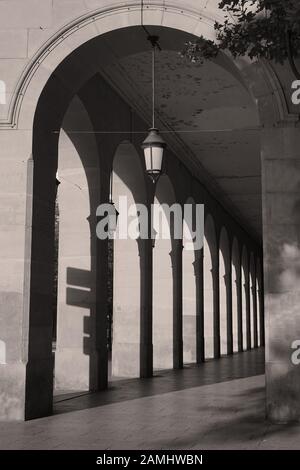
(211, 119)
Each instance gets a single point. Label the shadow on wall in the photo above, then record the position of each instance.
(79, 294)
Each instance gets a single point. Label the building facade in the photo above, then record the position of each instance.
(73, 79)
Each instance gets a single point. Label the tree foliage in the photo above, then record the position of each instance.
(268, 29)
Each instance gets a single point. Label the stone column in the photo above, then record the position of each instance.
(16, 169)
(228, 284)
(198, 267)
(261, 317)
(208, 306)
(254, 304)
(281, 230)
(247, 307)
(216, 306)
(239, 310)
(260, 302)
(40, 287)
(146, 257)
(176, 256)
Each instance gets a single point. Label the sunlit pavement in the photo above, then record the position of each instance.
(217, 405)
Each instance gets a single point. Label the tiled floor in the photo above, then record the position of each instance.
(218, 405)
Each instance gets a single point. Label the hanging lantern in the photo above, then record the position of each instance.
(154, 145)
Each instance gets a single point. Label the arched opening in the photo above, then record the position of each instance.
(77, 199)
(192, 277)
(128, 192)
(164, 264)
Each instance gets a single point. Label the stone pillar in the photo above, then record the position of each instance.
(16, 168)
(247, 333)
(198, 267)
(260, 303)
(281, 230)
(228, 284)
(254, 306)
(40, 288)
(146, 257)
(261, 316)
(208, 310)
(239, 311)
(216, 306)
(223, 310)
(176, 256)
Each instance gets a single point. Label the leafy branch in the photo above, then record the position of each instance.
(268, 29)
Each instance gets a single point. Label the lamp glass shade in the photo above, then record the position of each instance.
(153, 147)
(153, 159)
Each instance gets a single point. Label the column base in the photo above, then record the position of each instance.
(39, 388)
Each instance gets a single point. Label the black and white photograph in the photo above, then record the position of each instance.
(149, 232)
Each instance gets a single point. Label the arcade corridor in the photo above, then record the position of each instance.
(197, 317)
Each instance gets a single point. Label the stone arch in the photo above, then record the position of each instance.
(164, 262)
(128, 192)
(225, 293)
(102, 20)
(236, 297)
(211, 289)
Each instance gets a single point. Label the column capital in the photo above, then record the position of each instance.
(198, 264)
(227, 278)
(176, 252)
